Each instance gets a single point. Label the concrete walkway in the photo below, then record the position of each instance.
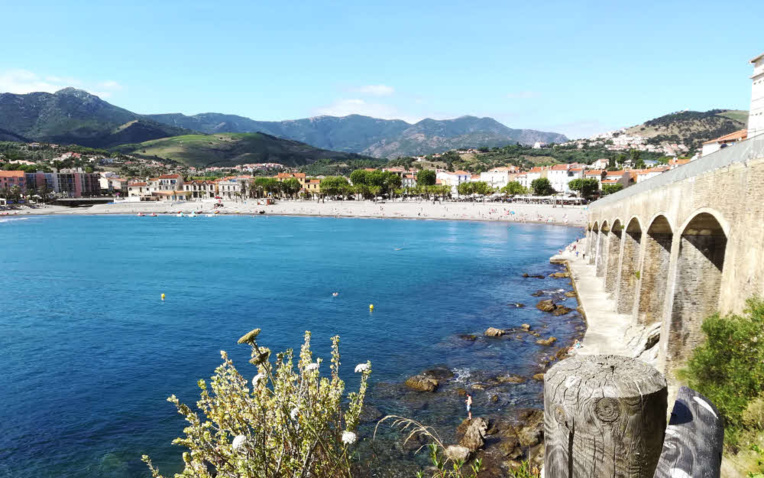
(606, 330)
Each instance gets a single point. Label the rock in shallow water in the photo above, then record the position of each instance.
(494, 332)
(546, 305)
(548, 341)
(422, 383)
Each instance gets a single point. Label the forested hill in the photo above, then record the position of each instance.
(691, 127)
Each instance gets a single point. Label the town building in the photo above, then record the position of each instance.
(199, 189)
(722, 142)
(9, 179)
(498, 177)
(756, 111)
(408, 180)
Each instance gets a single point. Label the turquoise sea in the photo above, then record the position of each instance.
(89, 353)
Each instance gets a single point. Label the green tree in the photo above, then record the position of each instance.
(513, 188)
(542, 187)
(611, 188)
(482, 188)
(465, 189)
(334, 186)
(426, 177)
(586, 188)
(359, 176)
(729, 367)
(281, 423)
(290, 187)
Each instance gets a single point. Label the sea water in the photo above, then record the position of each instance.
(89, 352)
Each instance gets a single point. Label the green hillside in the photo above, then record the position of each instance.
(229, 149)
(691, 127)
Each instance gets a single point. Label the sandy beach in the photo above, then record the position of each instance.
(503, 212)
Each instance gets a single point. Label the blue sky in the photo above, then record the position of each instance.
(574, 67)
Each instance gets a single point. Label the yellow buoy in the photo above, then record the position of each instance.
(162, 296)
(371, 306)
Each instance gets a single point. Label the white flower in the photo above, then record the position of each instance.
(311, 366)
(361, 367)
(256, 379)
(348, 438)
(294, 413)
(238, 442)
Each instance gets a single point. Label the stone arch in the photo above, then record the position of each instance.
(630, 274)
(591, 250)
(700, 263)
(600, 261)
(655, 270)
(613, 255)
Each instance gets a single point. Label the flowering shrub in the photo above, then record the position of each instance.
(282, 423)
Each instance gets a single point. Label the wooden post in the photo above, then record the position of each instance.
(694, 439)
(604, 416)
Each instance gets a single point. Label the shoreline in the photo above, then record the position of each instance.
(572, 216)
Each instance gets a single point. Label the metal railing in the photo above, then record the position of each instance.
(741, 152)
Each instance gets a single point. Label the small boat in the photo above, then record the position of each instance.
(153, 214)
(180, 214)
(140, 214)
(193, 214)
(210, 215)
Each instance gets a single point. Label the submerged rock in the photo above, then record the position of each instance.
(546, 305)
(468, 337)
(561, 310)
(548, 341)
(439, 373)
(517, 305)
(494, 332)
(526, 327)
(422, 383)
(538, 293)
(508, 378)
(370, 413)
(570, 293)
(539, 377)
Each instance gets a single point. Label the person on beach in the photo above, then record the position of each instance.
(468, 401)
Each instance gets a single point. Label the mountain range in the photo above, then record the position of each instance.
(72, 116)
(374, 137)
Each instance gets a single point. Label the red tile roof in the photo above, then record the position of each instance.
(732, 137)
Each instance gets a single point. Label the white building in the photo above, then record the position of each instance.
(538, 145)
(600, 164)
(498, 177)
(560, 176)
(527, 179)
(723, 142)
(453, 179)
(756, 112)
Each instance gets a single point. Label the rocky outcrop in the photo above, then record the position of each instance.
(458, 453)
(561, 310)
(422, 383)
(509, 378)
(560, 275)
(468, 337)
(472, 433)
(526, 327)
(546, 305)
(534, 276)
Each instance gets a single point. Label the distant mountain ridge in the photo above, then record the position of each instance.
(371, 136)
(75, 116)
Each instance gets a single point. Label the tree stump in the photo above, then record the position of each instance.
(604, 416)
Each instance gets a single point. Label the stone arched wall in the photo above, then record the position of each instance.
(600, 262)
(630, 271)
(654, 273)
(702, 246)
(613, 256)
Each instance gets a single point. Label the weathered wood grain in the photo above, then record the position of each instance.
(604, 416)
(694, 439)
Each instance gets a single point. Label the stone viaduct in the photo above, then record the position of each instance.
(684, 245)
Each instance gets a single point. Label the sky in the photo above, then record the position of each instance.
(578, 68)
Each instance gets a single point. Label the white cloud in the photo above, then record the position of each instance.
(523, 95)
(375, 90)
(346, 107)
(25, 81)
